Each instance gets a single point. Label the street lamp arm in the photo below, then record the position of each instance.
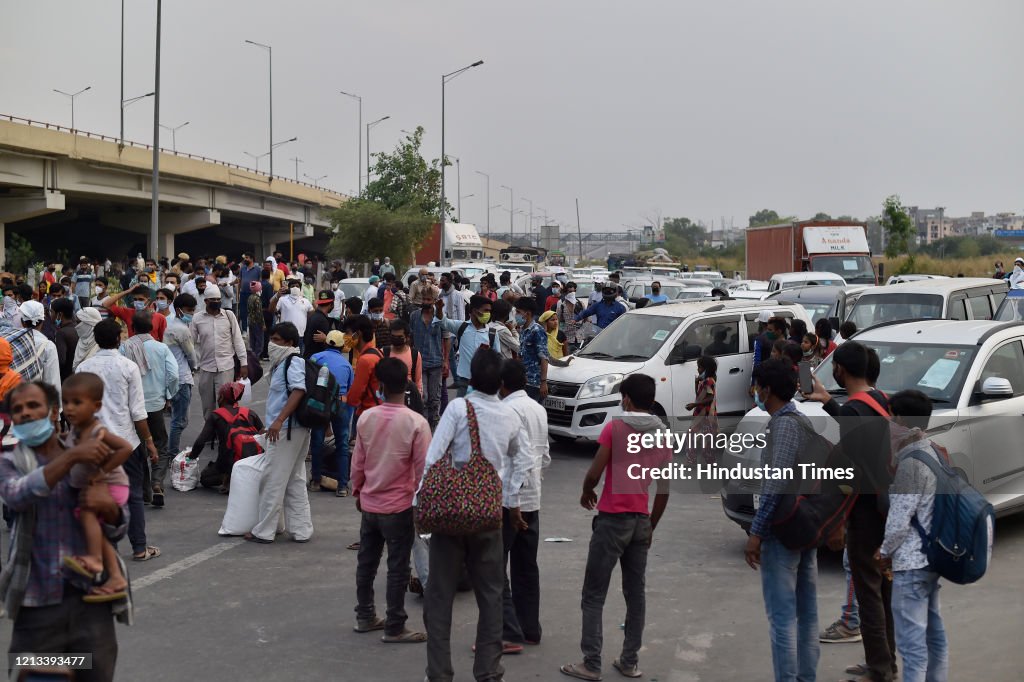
(449, 76)
(253, 42)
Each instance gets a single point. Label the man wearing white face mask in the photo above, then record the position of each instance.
(218, 342)
(292, 306)
(566, 311)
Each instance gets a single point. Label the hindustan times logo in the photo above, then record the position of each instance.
(733, 443)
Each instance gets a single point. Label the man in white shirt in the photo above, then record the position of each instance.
(218, 342)
(292, 306)
(124, 413)
(371, 291)
(48, 362)
(178, 338)
(522, 596)
(504, 443)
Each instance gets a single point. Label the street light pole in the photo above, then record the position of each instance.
(316, 181)
(488, 203)
(297, 161)
(154, 222)
(511, 207)
(270, 81)
(444, 209)
(529, 225)
(368, 127)
(359, 136)
(174, 134)
(72, 96)
(122, 76)
(458, 188)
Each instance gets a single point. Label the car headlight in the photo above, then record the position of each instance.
(606, 384)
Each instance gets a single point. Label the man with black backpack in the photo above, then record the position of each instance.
(470, 336)
(333, 359)
(864, 437)
(400, 348)
(788, 577)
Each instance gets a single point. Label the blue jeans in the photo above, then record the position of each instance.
(243, 308)
(920, 635)
(136, 466)
(851, 614)
(339, 425)
(179, 418)
(788, 581)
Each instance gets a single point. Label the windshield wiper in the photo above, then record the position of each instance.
(837, 391)
(594, 354)
(629, 356)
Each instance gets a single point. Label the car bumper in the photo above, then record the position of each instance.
(581, 418)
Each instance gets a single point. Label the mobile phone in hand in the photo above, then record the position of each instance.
(806, 378)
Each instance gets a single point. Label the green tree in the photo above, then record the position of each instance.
(899, 230)
(404, 179)
(686, 231)
(365, 229)
(764, 217)
(968, 248)
(20, 254)
(820, 215)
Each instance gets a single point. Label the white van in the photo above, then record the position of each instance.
(788, 280)
(954, 298)
(663, 342)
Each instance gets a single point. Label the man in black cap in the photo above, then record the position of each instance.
(318, 325)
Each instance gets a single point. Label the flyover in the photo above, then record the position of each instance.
(88, 194)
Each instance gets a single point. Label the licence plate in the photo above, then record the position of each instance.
(554, 403)
(757, 502)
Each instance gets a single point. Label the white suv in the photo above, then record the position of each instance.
(663, 342)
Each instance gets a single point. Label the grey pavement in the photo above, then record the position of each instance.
(214, 608)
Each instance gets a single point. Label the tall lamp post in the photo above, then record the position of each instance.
(529, 225)
(488, 202)
(154, 217)
(72, 96)
(125, 103)
(270, 81)
(174, 134)
(369, 126)
(511, 203)
(444, 80)
(316, 181)
(359, 136)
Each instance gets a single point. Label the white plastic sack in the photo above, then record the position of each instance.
(244, 498)
(246, 398)
(184, 471)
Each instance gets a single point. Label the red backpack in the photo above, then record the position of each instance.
(241, 439)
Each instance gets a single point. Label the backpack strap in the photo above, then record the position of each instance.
(937, 468)
(376, 351)
(462, 330)
(869, 400)
(415, 358)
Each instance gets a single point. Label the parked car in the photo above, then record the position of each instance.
(900, 279)
(960, 298)
(789, 280)
(663, 342)
(973, 371)
(1012, 307)
(829, 302)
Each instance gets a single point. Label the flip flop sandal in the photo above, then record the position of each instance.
(73, 564)
(624, 671)
(104, 598)
(860, 670)
(579, 671)
(375, 624)
(252, 538)
(353, 546)
(150, 553)
(407, 637)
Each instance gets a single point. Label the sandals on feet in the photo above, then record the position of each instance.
(579, 671)
(626, 670)
(406, 637)
(369, 625)
(149, 553)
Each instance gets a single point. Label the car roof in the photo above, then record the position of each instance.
(812, 294)
(937, 286)
(808, 275)
(938, 332)
(687, 308)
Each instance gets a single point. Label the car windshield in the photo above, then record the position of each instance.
(1012, 307)
(353, 288)
(817, 311)
(937, 371)
(854, 269)
(670, 290)
(691, 294)
(823, 281)
(631, 337)
(872, 309)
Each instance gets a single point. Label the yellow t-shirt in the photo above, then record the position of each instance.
(277, 279)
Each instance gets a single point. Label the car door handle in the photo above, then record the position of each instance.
(735, 370)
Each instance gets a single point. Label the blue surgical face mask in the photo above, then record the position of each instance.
(185, 318)
(760, 403)
(520, 320)
(140, 305)
(162, 304)
(33, 433)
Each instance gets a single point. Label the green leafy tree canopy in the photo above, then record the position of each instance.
(821, 215)
(20, 254)
(404, 179)
(368, 229)
(898, 226)
(764, 217)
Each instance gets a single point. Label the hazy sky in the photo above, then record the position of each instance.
(679, 108)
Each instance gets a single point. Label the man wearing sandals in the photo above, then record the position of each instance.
(391, 448)
(44, 601)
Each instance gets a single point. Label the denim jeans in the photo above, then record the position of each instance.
(432, 387)
(788, 582)
(850, 617)
(256, 339)
(865, 533)
(616, 539)
(920, 635)
(339, 425)
(158, 429)
(179, 418)
(243, 311)
(522, 584)
(397, 532)
(136, 466)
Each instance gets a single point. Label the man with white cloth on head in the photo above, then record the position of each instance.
(284, 481)
(88, 318)
(1017, 276)
(32, 314)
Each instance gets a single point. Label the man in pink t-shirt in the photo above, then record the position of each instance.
(387, 465)
(623, 527)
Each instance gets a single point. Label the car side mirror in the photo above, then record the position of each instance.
(834, 322)
(639, 302)
(996, 388)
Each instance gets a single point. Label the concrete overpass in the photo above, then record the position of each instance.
(86, 193)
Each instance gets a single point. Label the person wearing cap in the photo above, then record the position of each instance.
(386, 267)
(607, 310)
(558, 348)
(333, 358)
(46, 364)
(1017, 276)
(88, 318)
(218, 342)
(140, 301)
(291, 305)
(372, 290)
(319, 325)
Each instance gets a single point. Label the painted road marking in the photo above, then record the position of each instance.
(182, 565)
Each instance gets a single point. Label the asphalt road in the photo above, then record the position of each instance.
(215, 608)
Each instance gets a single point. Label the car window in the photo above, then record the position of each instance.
(980, 309)
(715, 337)
(957, 309)
(1007, 363)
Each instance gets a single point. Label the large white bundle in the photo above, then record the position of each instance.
(244, 498)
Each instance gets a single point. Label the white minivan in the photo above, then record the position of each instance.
(953, 298)
(663, 342)
(789, 280)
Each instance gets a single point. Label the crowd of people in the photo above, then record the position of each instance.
(98, 370)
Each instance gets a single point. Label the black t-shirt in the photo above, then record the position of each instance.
(864, 436)
(317, 322)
